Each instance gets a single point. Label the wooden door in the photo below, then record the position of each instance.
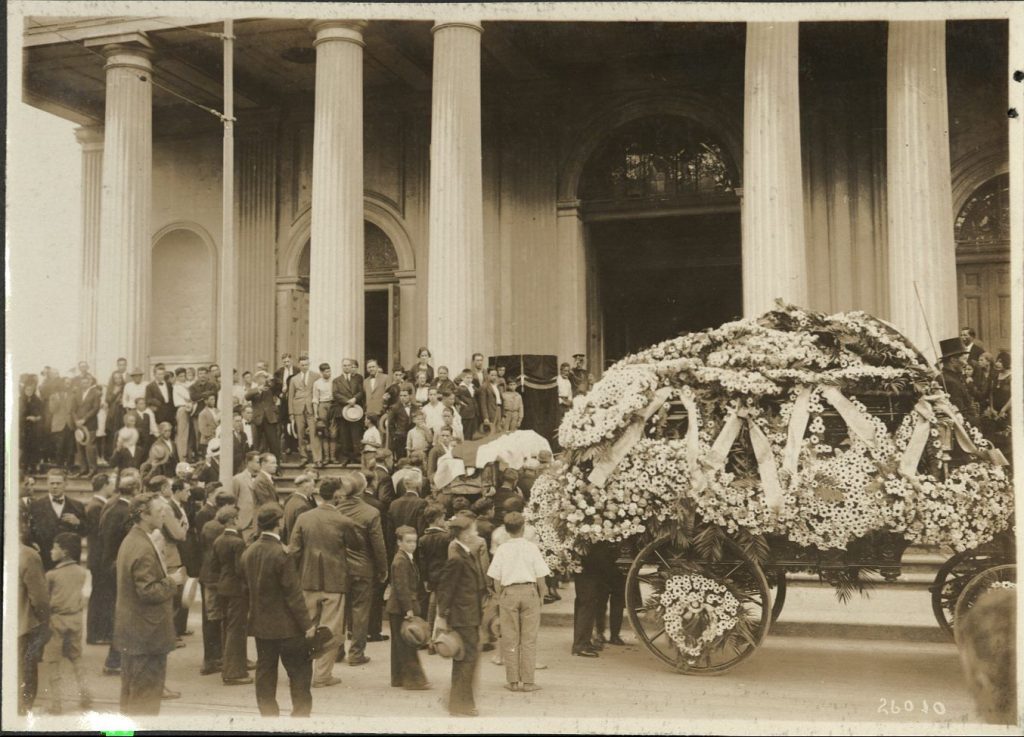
(984, 298)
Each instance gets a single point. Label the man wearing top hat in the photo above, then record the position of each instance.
(460, 593)
(951, 364)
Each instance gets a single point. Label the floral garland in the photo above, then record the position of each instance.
(692, 600)
(837, 493)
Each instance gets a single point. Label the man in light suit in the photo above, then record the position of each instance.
(241, 486)
(143, 626)
(85, 404)
(348, 391)
(300, 406)
(319, 543)
(374, 389)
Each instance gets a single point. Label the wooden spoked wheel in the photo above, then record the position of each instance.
(777, 580)
(981, 584)
(666, 557)
(952, 579)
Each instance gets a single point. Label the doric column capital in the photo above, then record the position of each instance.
(350, 31)
(90, 137)
(473, 25)
(132, 50)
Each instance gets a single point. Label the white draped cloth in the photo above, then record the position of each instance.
(514, 447)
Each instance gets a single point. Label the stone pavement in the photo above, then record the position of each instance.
(819, 679)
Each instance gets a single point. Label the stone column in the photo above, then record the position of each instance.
(336, 302)
(256, 205)
(572, 275)
(91, 140)
(456, 306)
(774, 249)
(920, 199)
(123, 282)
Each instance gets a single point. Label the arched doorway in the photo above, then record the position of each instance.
(982, 232)
(663, 236)
(183, 297)
(381, 297)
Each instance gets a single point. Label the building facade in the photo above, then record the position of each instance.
(529, 187)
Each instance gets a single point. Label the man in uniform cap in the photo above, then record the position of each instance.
(460, 593)
(579, 377)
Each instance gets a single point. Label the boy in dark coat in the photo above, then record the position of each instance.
(405, 603)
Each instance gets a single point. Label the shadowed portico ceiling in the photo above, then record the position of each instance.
(275, 60)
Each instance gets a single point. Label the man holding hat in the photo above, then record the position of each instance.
(460, 593)
(278, 618)
(404, 604)
(951, 364)
(347, 393)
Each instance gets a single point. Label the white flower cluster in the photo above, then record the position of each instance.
(691, 598)
(610, 405)
(1009, 585)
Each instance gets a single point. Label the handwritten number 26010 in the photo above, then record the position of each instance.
(892, 706)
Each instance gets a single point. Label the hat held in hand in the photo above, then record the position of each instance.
(416, 631)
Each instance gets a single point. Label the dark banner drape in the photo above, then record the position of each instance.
(535, 379)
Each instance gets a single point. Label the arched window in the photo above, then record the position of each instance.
(379, 256)
(983, 223)
(655, 158)
(184, 309)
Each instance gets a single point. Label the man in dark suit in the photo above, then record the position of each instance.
(400, 421)
(319, 544)
(348, 391)
(278, 617)
(161, 392)
(468, 404)
(263, 489)
(281, 381)
(489, 397)
(226, 564)
(407, 510)
(53, 514)
(85, 404)
(460, 593)
(99, 626)
(374, 629)
(264, 415)
(143, 621)
(298, 502)
(405, 603)
(210, 528)
(241, 444)
(974, 349)
(115, 522)
(367, 562)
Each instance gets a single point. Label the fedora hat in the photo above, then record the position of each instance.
(188, 594)
(448, 645)
(159, 453)
(416, 631)
(318, 642)
(136, 372)
(352, 412)
(951, 347)
(82, 435)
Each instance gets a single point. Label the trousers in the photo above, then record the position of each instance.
(30, 652)
(236, 612)
(212, 628)
(464, 671)
(99, 622)
(519, 613)
(292, 653)
(406, 670)
(142, 682)
(375, 623)
(302, 428)
(589, 590)
(613, 603)
(327, 609)
(359, 599)
(267, 438)
(349, 440)
(182, 432)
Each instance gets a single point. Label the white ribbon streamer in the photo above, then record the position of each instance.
(855, 420)
(798, 418)
(634, 431)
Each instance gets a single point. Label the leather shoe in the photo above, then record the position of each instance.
(616, 641)
(332, 681)
(529, 687)
(359, 661)
(421, 687)
(169, 694)
(237, 681)
(377, 638)
(465, 713)
(209, 670)
(111, 671)
(586, 653)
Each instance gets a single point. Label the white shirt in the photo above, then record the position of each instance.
(182, 396)
(564, 388)
(247, 429)
(322, 391)
(162, 386)
(518, 561)
(500, 536)
(58, 507)
(238, 393)
(434, 415)
(154, 429)
(132, 391)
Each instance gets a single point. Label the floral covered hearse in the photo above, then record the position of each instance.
(720, 460)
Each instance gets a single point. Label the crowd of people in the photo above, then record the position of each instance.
(80, 426)
(310, 577)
